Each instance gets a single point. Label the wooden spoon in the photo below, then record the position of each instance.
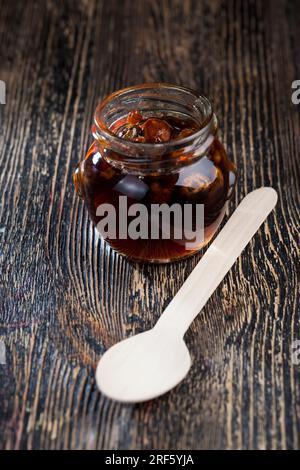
(149, 364)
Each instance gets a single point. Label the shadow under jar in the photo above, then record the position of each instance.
(155, 144)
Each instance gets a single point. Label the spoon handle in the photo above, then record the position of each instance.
(217, 260)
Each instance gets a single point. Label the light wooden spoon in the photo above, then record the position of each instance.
(149, 364)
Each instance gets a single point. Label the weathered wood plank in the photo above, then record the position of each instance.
(65, 296)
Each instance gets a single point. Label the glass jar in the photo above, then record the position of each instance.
(191, 170)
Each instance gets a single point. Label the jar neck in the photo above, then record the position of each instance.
(155, 100)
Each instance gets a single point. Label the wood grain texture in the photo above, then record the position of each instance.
(65, 296)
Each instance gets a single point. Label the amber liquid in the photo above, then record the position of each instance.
(209, 180)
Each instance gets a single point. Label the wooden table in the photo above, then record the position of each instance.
(66, 297)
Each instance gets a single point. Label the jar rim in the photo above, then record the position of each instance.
(102, 131)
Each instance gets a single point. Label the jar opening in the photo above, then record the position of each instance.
(155, 100)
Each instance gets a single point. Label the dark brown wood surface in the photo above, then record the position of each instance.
(65, 296)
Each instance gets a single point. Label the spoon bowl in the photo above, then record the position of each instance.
(143, 366)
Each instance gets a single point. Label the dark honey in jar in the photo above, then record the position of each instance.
(156, 148)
